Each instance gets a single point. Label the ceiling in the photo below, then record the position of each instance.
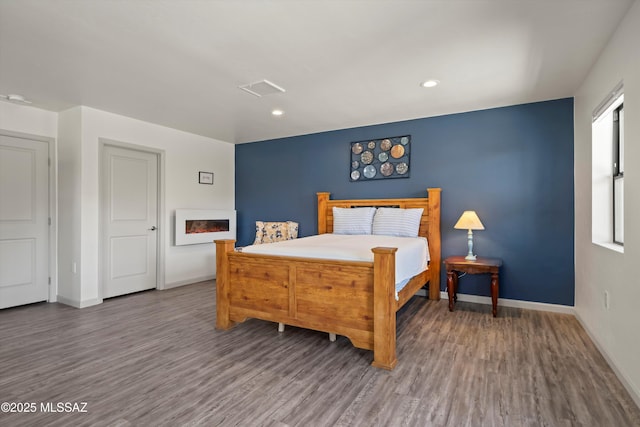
(343, 63)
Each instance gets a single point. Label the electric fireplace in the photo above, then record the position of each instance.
(194, 226)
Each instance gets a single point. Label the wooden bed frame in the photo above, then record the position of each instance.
(351, 298)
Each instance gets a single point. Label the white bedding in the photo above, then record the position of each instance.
(411, 258)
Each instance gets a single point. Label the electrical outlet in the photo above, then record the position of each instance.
(606, 300)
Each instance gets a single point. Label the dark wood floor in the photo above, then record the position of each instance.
(154, 359)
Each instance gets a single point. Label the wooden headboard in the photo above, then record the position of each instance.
(429, 223)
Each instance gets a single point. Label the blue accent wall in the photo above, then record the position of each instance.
(512, 165)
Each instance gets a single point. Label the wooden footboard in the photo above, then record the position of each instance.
(353, 299)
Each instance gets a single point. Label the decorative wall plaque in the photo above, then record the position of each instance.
(380, 158)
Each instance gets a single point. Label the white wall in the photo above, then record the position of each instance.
(185, 155)
(76, 155)
(69, 204)
(599, 269)
(27, 119)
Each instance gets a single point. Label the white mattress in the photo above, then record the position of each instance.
(411, 258)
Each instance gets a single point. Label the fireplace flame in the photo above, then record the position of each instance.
(206, 226)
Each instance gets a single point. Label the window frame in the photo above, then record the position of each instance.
(618, 167)
(603, 184)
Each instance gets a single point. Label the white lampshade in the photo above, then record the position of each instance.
(469, 221)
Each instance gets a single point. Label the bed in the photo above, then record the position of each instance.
(355, 299)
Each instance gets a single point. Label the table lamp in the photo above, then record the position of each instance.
(469, 221)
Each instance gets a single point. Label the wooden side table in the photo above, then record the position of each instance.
(457, 264)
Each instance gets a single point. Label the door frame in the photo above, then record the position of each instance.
(52, 205)
(160, 246)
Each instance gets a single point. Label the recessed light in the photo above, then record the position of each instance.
(277, 112)
(430, 83)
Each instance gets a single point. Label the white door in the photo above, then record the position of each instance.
(24, 221)
(130, 220)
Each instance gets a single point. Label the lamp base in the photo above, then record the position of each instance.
(470, 256)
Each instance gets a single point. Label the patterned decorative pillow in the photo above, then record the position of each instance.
(353, 220)
(269, 232)
(397, 222)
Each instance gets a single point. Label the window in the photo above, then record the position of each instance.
(618, 175)
(607, 202)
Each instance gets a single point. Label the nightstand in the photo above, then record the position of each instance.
(457, 264)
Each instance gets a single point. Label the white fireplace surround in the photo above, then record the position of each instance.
(194, 238)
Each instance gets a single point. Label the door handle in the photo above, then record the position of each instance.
(153, 228)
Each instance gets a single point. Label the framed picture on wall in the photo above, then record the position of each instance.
(382, 158)
(205, 178)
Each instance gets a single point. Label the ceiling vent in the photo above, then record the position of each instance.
(262, 88)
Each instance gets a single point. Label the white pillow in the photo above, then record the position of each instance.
(397, 222)
(353, 220)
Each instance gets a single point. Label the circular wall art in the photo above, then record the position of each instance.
(402, 168)
(369, 171)
(386, 169)
(397, 151)
(367, 157)
(383, 158)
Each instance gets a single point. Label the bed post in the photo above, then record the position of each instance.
(434, 243)
(223, 247)
(323, 198)
(384, 313)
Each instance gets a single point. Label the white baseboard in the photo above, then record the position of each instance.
(503, 302)
(79, 304)
(628, 385)
(95, 301)
(188, 281)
